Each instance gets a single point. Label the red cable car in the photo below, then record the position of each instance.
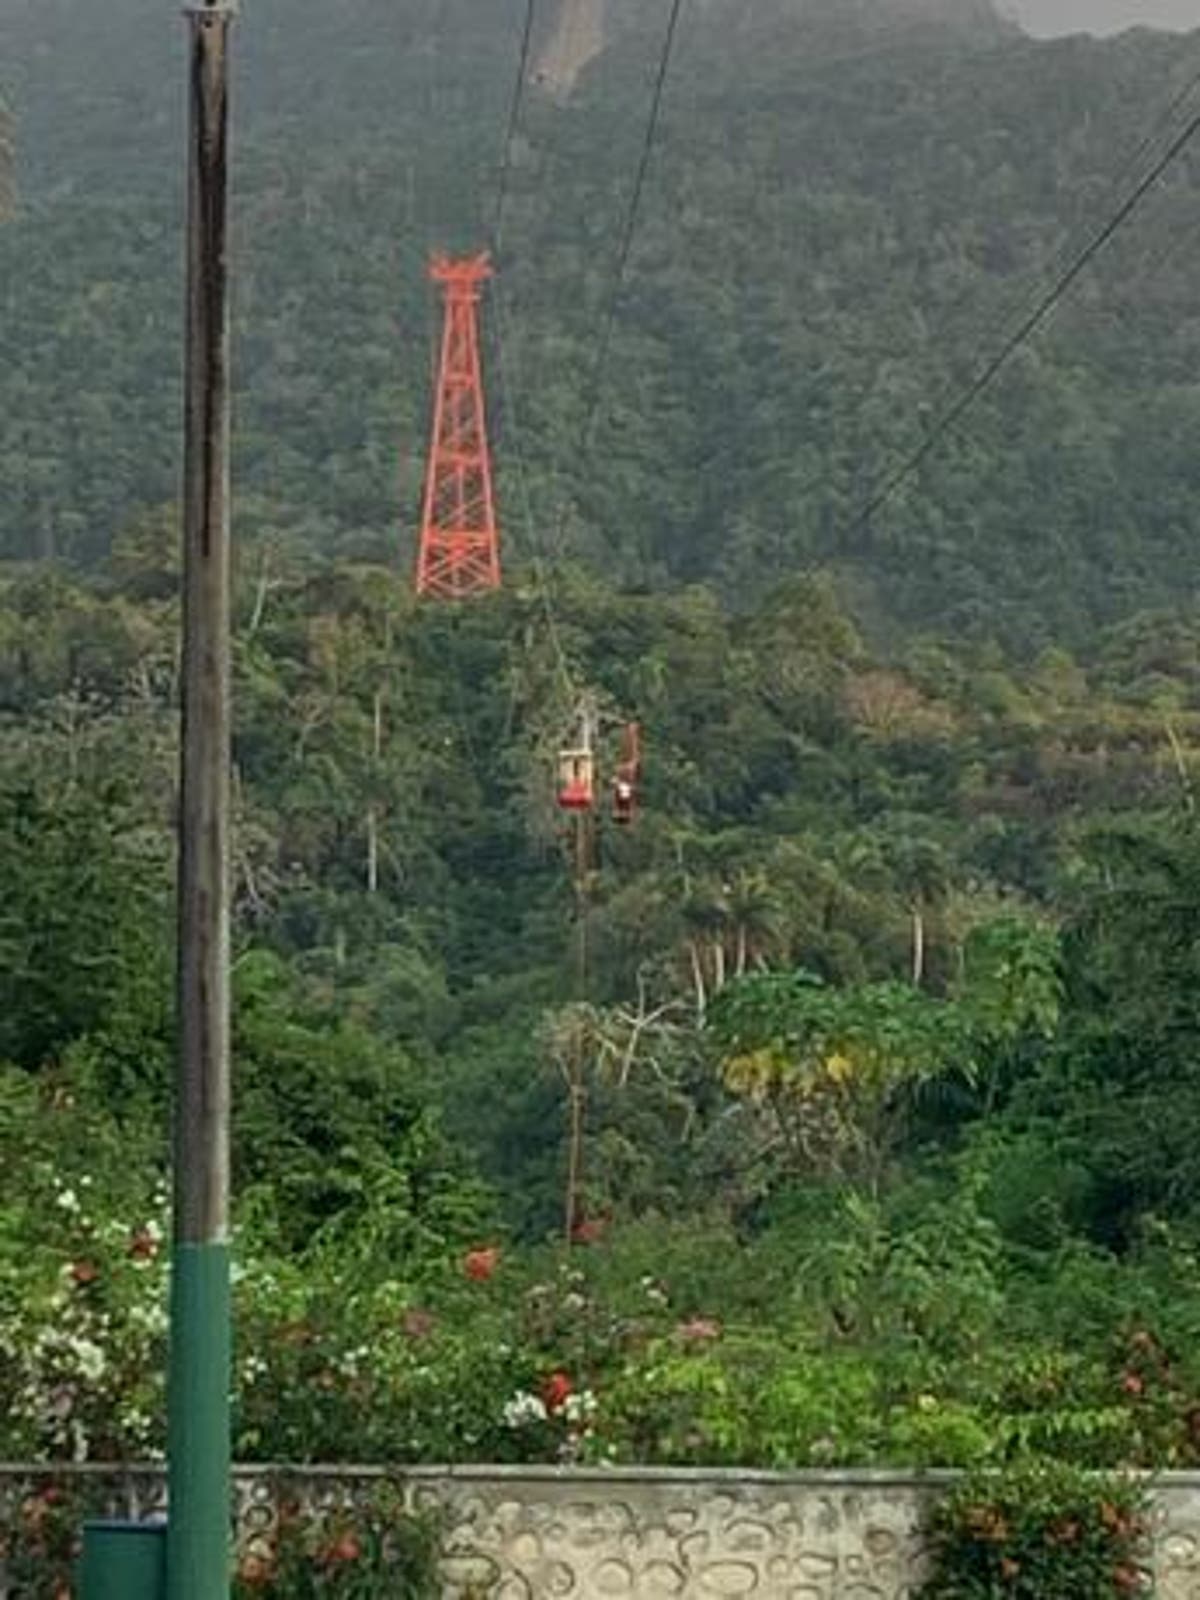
(576, 780)
(577, 763)
(627, 779)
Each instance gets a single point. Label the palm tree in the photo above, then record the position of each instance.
(703, 913)
(755, 917)
(923, 876)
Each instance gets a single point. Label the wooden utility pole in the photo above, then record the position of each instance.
(578, 1043)
(583, 850)
(198, 1545)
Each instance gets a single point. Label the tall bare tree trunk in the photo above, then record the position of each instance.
(698, 980)
(918, 944)
(575, 1104)
(372, 813)
(1181, 767)
(718, 949)
(372, 851)
(261, 590)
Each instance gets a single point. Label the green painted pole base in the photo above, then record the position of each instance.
(198, 1544)
(123, 1561)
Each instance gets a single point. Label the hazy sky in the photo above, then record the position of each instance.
(1102, 16)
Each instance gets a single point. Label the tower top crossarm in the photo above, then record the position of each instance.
(462, 274)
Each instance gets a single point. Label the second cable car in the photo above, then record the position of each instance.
(627, 779)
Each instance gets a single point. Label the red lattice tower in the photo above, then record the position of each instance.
(459, 552)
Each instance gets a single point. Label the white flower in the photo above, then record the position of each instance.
(68, 1200)
(150, 1317)
(138, 1424)
(580, 1407)
(352, 1360)
(523, 1409)
(89, 1358)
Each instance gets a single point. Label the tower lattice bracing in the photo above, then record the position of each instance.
(459, 551)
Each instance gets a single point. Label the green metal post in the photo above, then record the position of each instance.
(198, 1545)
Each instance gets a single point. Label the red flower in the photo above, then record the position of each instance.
(340, 1552)
(84, 1272)
(556, 1391)
(479, 1265)
(699, 1329)
(1132, 1384)
(590, 1230)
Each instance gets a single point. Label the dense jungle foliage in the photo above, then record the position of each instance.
(887, 1061)
(888, 1055)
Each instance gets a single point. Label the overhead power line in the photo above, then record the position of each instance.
(997, 327)
(1029, 325)
(632, 217)
(883, 42)
(513, 124)
(541, 555)
(537, 550)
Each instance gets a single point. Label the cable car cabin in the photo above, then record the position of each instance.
(628, 776)
(576, 780)
(624, 801)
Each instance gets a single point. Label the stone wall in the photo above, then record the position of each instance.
(537, 1533)
(524, 1536)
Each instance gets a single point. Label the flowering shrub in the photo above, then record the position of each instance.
(358, 1551)
(658, 1344)
(39, 1547)
(82, 1363)
(370, 1546)
(1040, 1532)
(557, 1423)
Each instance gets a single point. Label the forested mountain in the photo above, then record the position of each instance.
(867, 1104)
(845, 204)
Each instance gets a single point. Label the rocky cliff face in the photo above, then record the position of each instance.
(577, 35)
(579, 30)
